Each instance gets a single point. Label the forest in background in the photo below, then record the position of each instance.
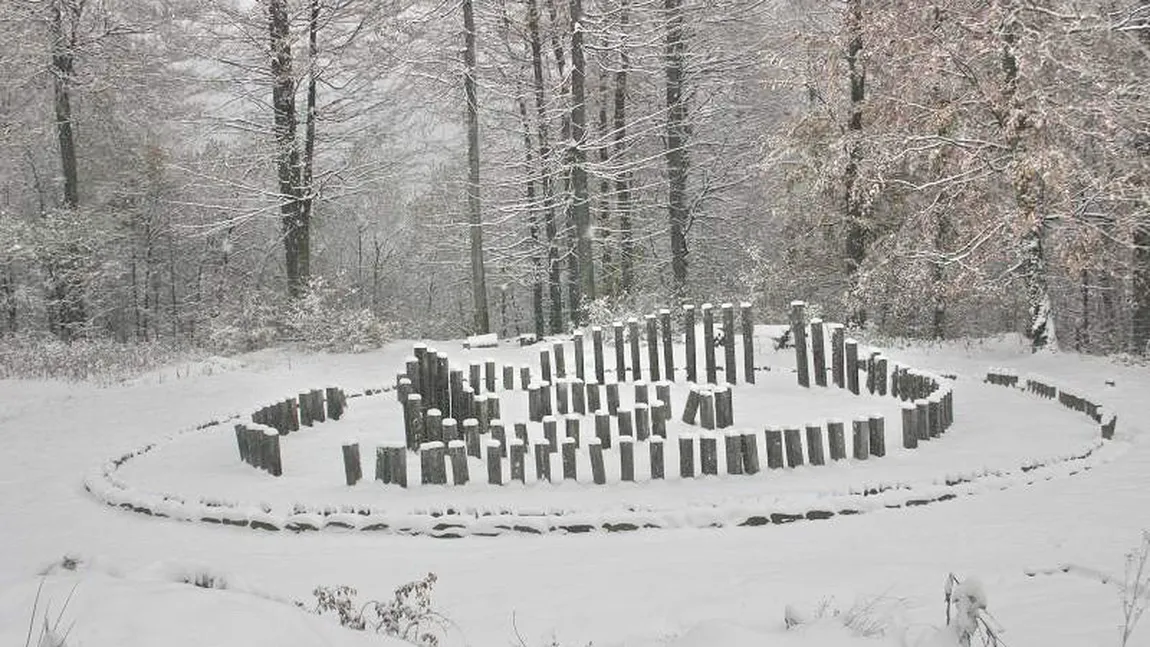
(229, 174)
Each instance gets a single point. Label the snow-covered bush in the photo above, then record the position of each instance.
(327, 318)
(966, 616)
(1135, 591)
(865, 618)
(101, 360)
(407, 616)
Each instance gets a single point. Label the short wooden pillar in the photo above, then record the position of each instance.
(545, 365)
(594, 401)
(642, 392)
(909, 435)
(815, 453)
(577, 341)
(352, 470)
(603, 429)
(730, 363)
(750, 452)
(852, 350)
(508, 377)
(569, 467)
(494, 463)
(595, 452)
(642, 421)
(687, 455)
(709, 454)
(861, 438)
(709, 343)
(626, 458)
(620, 353)
(560, 359)
(724, 412)
(692, 407)
(836, 440)
(652, 347)
(818, 352)
(489, 375)
(517, 450)
(613, 398)
(733, 446)
(746, 318)
(597, 354)
(793, 441)
(578, 396)
(668, 346)
(707, 409)
(431, 467)
(542, 462)
(572, 428)
(658, 465)
(838, 355)
(877, 436)
(636, 356)
(626, 423)
(471, 437)
(551, 432)
(689, 339)
(799, 337)
(457, 452)
(774, 445)
(922, 419)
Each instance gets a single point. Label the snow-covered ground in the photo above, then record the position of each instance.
(683, 586)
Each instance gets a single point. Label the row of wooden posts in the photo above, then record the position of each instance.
(259, 441)
(1106, 420)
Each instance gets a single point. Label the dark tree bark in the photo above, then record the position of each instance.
(856, 231)
(570, 229)
(482, 322)
(580, 204)
(307, 172)
(678, 131)
(623, 176)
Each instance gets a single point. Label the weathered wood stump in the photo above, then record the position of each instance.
(861, 438)
(836, 440)
(774, 444)
(658, 465)
(877, 436)
(668, 347)
(687, 455)
(689, 339)
(793, 441)
(597, 354)
(709, 454)
(815, 444)
(852, 350)
(652, 347)
(626, 458)
(709, 343)
(457, 451)
(733, 446)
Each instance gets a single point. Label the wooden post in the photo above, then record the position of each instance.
(642, 392)
(658, 463)
(521, 434)
(668, 347)
(534, 403)
(455, 386)
(242, 441)
(748, 325)
(542, 462)
(508, 377)
(427, 376)
(433, 426)
(551, 432)
(560, 360)
(499, 435)
(636, 358)
(709, 454)
(494, 463)
(659, 417)
(595, 450)
(395, 457)
(774, 443)
(293, 411)
(838, 354)
(562, 397)
(578, 397)
(626, 458)
(692, 406)
(305, 415)
(613, 398)
(597, 353)
(545, 399)
(642, 421)
(707, 409)
(413, 417)
(689, 338)
(471, 437)
(880, 365)
(687, 455)
(922, 419)
(569, 472)
(836, 439)
(545, 365)
(877, 436)
(663, 394)
(475, 377)
(750, 453)
(909, 436)
(620, 353)
(572, 427)
(450, 430)
(652, 347)
(352, 470)
(402, 390)
(382, 467)
(517, 449)
(579, 363)
(603, 428)
(799, 336)
(273, 462)
(894, 375)
(861, 438)
(815, 444)
(593, 401)
(730, 364)
(412, 367)
(525, 377)
(625, 423)
(442, 383)
(431, 469)
(934, 407)
(819, 352)
(852, 350)
(724, 412)
(709, 343)
(733, 443)
(482, 413)
(793, 439)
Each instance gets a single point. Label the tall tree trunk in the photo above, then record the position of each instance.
(482, 322)
(295, 232)
(1141, 317)
(569, 227)
(856, 231)
(555, 290)
(623, 176)
(609, 279)
(675, 154)
(306, 187)
(580, 202)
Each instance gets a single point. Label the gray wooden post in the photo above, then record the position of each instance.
(613, 398)
(793, 439)
(427, 377)
(562, 397)
(595, 450)
(836, 439)
(412, 368)
(593, 397)
(396, 457)
(636, 357)
(694, 397)
(799, 336)
(508, 377)
(625, 422)
(442, 382)
(413, 418)
(663, 394)
(482, 413)
(861, 438)
(642, 392)
(894, 381)
(877, 436)
(242, 442)
(668, 346)
(542, 462)
(774, 444)
(921, 419)
(545, 365)
(709, 454)
(642, 421)
(545, 399)
(707, 409)
(934, 407)
(880, 365)
(521, 434)
(597, 353)
(578, 396)
(402, 390)
(352, 470)
(659, 416)
(815, 444)
(455, 388)
(652, 347)
(687, 455)
(689, 338)
(730, 364)
(534, 403)
(658, 463)
(382, 468)
(909, 436)
(852, 350)
(433, 426)
(569, 471)
(750, 453)
(819, 352)
(272, 460)
(475, 377)
(450, 429)
(551, 432)
(724, 412)
(603, 428)
(499, 435)
(293, 411)
(626, 458)
(709, 343)
(733, 444)
(305, 416)
(572, 428)
(748, 323)
(471, 437)
(838, 354)
(517, 449)
(560, 359)
(579, 363)
(431, 464)
(494, 463)
(620, 353)
(525, 377)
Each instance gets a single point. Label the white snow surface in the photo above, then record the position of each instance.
(1027, 537)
